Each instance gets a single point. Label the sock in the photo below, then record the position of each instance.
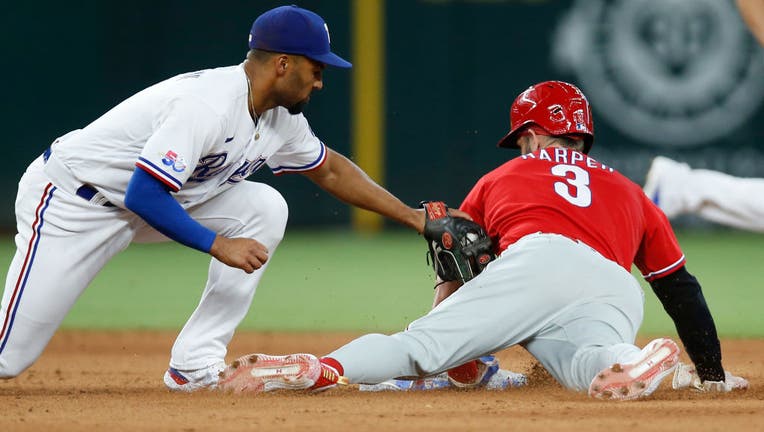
(334, 364)
(329, 373)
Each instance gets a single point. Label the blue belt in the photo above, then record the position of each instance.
(85, 191)
(88, 192)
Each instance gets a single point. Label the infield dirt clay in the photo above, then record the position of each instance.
(112, 381)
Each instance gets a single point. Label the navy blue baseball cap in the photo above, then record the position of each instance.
(293, 30)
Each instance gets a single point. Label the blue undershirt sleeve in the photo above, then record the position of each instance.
(150, 199)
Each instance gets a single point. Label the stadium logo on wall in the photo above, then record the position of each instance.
(665, 72)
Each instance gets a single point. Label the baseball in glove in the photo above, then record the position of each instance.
(459, 248)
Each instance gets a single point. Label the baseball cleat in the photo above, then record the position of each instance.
(652, 180)
(488, 376)
(429, 383)
(255, 373)
(485, 373)
(503, 379)
(665, 172)
(190, 381)
(640, 378)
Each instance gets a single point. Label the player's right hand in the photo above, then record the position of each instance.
(244, 253)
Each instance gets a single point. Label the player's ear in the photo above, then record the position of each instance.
(525, 142)
(535, 141)
(282, 63)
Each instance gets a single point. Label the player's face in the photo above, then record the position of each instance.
(306, 76)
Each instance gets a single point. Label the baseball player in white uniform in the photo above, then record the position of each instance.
(715, 196)
(718, 197)
(170, 163)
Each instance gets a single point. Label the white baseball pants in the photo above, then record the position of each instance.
(63, 241)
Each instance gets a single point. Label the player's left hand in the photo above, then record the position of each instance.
(730, 383)
(685, 376)
(459, 249)
(243, 253)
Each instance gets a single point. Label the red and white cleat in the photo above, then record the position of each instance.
(255, 373)
(640, 378)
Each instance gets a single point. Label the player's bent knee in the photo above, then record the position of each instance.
(423, 359)
(278, 210)
(273, 211)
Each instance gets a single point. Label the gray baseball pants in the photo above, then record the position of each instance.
(572, 309)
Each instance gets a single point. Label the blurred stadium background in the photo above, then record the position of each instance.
(421, 111)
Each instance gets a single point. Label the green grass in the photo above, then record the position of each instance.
(337, 280)
(729, 266)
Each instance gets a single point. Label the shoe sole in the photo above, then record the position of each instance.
(628, 382)
(256, 373)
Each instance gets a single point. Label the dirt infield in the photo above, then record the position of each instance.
(98, 381)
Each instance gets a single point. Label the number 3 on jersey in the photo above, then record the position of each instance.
(575, 190)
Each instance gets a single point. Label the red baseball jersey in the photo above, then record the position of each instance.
(562, 191)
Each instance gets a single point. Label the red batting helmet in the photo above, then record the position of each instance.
(555, 106)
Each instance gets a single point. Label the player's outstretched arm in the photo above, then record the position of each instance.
(348, 183)
(683, 300)
(443, 289)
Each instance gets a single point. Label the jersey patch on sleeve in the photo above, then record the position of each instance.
(307, 167)
(173, 161)
(163, 176)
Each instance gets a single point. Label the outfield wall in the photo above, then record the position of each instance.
(687, 83)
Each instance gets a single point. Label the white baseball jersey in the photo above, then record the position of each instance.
(194, 133)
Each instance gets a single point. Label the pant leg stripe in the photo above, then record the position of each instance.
(34, 240)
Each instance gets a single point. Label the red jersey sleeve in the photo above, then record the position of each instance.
(659, 254)
(473, 204)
